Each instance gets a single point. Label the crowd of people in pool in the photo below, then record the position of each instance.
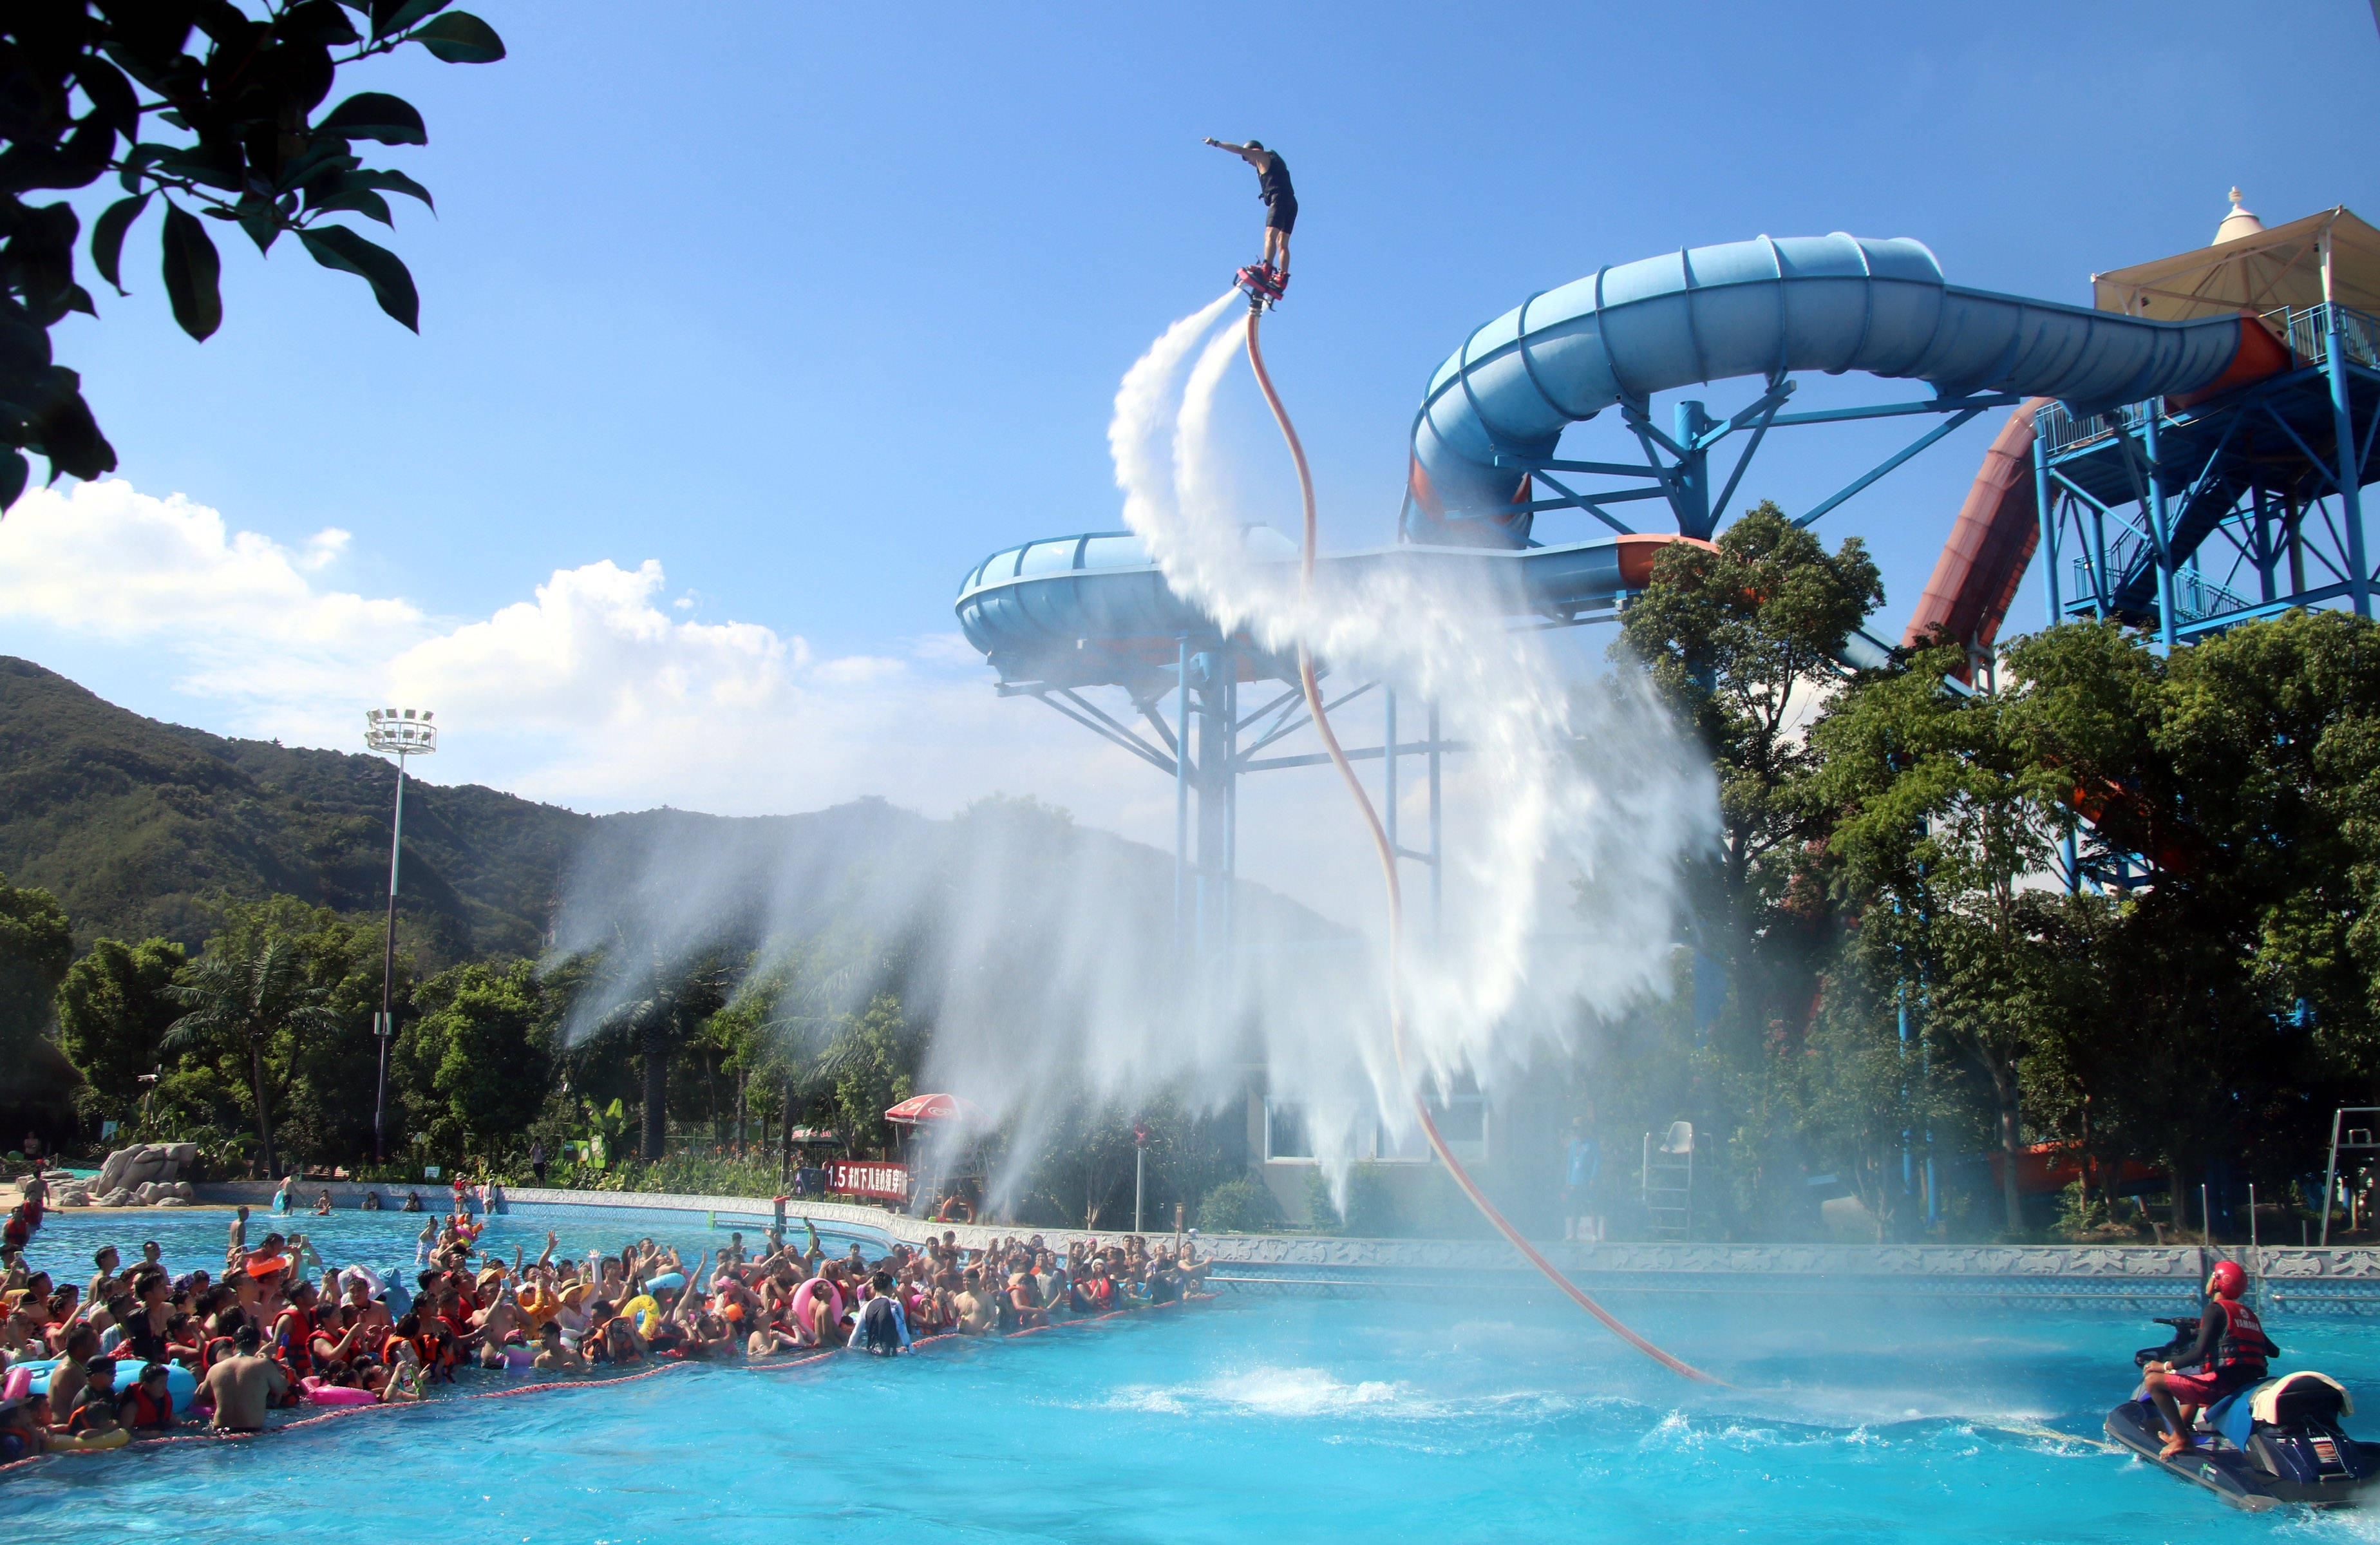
(144, 1349)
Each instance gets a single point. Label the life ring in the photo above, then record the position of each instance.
(644, 1311)
(26, 1379)
(373, 1285)
(807, 1292)
(89, 1442)
(336, 1394)
(518, 1359)
(666, 1280)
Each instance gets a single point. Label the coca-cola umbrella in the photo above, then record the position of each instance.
(920, 1109)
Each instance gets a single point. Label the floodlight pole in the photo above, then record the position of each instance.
(387, 731)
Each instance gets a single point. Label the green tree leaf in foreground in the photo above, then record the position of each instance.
(239, 141)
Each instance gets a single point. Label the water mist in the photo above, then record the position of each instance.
(1590, 796)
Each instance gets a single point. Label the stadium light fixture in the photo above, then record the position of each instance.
(401, 735)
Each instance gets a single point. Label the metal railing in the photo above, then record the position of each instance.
(2306, 330)
(2195, 597)
(2060, 430)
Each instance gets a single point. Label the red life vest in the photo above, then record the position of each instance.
(298, 1342)
(2243, 1339)
(147, 1412)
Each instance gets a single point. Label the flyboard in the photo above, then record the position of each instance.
(1262, 283)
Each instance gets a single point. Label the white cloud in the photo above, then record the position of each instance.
(599, 692)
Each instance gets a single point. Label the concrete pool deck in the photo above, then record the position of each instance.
(2156, 1278)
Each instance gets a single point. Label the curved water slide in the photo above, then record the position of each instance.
(1091, 609)
(1766, 309)
(1990, 545)
(1094, 610)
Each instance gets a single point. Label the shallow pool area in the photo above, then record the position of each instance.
(1491, 1415)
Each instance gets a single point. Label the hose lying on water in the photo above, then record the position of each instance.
(1305, 680)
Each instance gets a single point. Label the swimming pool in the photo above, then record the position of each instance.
(1502, 1418)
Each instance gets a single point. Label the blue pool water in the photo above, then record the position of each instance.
(1496, 1418)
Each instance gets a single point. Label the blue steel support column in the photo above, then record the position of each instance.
(2048, 514)
(2350, 476)
(1691, 495)
(1437, 833)
(1211, 677)
(2159, 532)
(1182, 795)
(1908, 1161)
(1388, 765)
(1231, 803)
(2268, 549)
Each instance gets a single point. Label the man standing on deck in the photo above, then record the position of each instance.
(1280, 200)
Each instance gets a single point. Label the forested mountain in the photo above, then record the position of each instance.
(144, 829)
(137, 827)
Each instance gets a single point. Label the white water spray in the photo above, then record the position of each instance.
(1565, 896)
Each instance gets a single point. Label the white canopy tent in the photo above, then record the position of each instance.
(2329, 256)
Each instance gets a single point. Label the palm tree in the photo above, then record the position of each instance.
(239, 999)
(666, 1003)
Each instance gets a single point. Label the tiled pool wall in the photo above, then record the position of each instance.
(2157, 1278)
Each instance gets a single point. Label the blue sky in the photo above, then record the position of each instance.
(813, 306)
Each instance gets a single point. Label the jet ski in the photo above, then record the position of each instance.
(2268, 1445)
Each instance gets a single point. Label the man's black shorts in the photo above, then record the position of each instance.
(1283, 216)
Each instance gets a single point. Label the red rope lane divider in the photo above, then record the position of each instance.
(1307, 684)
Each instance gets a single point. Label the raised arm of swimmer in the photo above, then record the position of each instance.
(688, 1294)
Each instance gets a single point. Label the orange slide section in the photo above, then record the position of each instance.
(1991, 546)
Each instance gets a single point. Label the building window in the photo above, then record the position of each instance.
(1463, 1122)
(1286, 1134)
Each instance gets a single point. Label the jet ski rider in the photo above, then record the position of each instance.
(2230, 1354)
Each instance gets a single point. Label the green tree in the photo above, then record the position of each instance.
(1940, 814)
(113, 1007)
(327, 1082)
(2230, 784)
(872, 1063)
(35, 946)
(1740, 639)
(242, 143)
(252, 999)
(661, 1004)
(473, 1068)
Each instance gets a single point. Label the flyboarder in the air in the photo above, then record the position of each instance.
(1267, 280)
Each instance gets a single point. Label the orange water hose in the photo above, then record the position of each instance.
(1397, 911)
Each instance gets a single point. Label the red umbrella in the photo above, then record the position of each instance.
(920, 1109)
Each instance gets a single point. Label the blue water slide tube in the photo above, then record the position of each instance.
(1764, 307)
(1094, 610)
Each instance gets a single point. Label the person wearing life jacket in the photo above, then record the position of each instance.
(293, 1332)
(2230, 1354)
(148, 1405)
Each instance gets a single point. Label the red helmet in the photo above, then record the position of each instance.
(2227, 1279)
